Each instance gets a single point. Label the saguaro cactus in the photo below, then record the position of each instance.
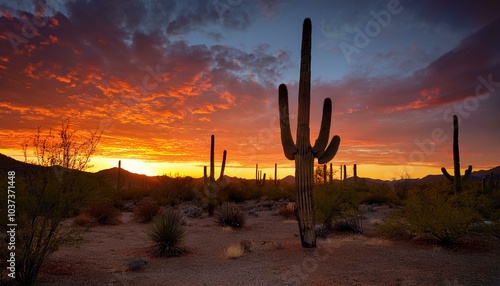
(260, 180)
(355, 171)
(456, 179)
(302, 152)
(212, 185)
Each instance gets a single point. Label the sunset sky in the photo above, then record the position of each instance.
(162, 76)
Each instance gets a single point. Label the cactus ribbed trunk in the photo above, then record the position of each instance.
(456, 178)
(302, 152)
(456, 156)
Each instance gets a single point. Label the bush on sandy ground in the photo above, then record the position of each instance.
(104, 213)
(167, 233)
(146, 210)
(333, 203)
(433, 211)
(229, 216)
(287, 211)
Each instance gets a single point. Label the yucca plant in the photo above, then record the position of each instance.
(167, 233)
(229, 216)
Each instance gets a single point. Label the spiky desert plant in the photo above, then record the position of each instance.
(229, 216)
(302, 152)
(457, 179)
(211, 185)
(167, 233)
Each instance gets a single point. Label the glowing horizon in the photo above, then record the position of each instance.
(195, 169)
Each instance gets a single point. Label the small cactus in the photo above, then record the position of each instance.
(259, 179)
(212, 186)
(457, 179)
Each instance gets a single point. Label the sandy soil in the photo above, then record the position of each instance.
(276, 258)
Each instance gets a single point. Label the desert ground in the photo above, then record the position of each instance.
(121, 255)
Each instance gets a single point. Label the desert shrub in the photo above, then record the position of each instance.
(172, 190)
(50, 190)
(287, 211)
(395, 225)
(104, 212)
(229, 216)
(238, 192)
(349, 221)
(380, 195)
(283, 191)
(432, 211)
(83, 219)
(167, 233)
(332, 203)
(146, 210)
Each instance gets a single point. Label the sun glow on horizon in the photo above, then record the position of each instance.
(195, 169)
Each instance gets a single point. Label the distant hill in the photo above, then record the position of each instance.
(139, 180)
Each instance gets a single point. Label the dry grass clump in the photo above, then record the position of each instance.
(104, 213)
(234, 251)
(83, 219)
(229, 216)
(146, 210)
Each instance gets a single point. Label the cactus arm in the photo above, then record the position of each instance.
(467, 173)
(447, 175)
(324, 132)
(327, 155)
(289, 147)
(224, 155)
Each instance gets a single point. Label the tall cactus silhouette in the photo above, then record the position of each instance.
(302, 152)
(456, 179)
(212, 185)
